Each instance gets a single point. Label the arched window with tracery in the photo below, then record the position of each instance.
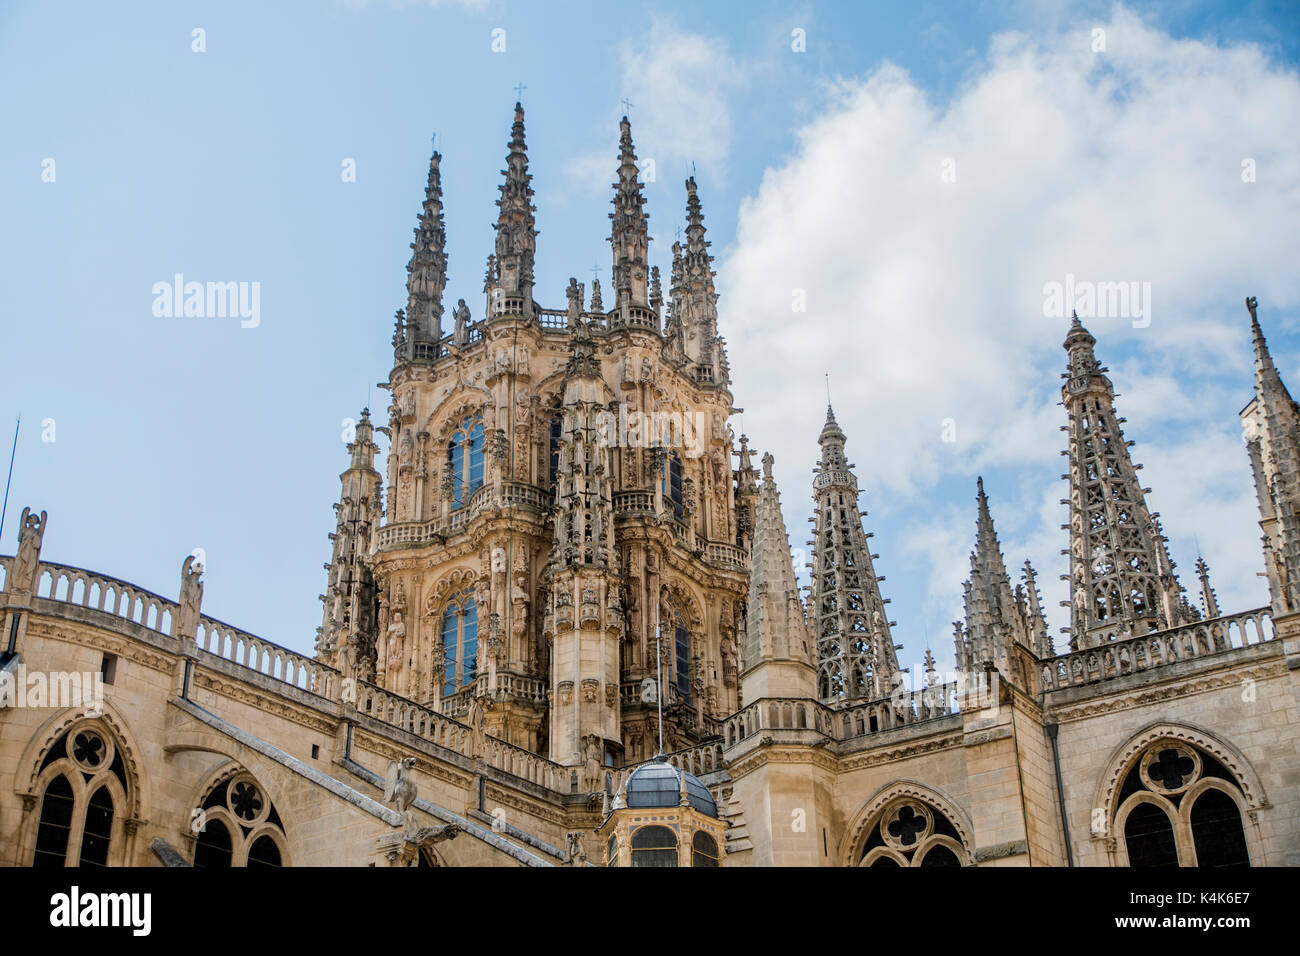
(459, 642)
(1180, 806)
(909, 831)
(238, 826)
(83, 787)
(465, 461)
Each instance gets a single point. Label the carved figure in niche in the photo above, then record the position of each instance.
(395, 663)
(522, 406)
(592, 750)
(729, 661)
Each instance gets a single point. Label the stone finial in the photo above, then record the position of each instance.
(185, 625)
(24, 569)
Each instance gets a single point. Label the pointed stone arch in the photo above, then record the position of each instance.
(868, 814)
(137, 795)
(1123, 757)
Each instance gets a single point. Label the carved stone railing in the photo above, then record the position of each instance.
(440, 729)
(634, 503)
(699, 760)
(247, 650)
(512, 494)
(553, 320)
(1158, 648)
(129, 602)
(725, 555)
(911, 707)
(89, 589)
(776, 713)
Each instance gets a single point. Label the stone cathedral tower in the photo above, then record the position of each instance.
(1122, 581)
(561, 497)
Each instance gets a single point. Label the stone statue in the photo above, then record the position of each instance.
(187, 613)
(460, 335)
(729, 661)
(592, 751)
(521, 407)
(395, 664)
(477, 717)
(574, 853)
(23, 574)
(399, 788)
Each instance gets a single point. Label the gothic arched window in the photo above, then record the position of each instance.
(465, 461)
(459, 642)
(238, 826)
(83, 786)
(911, 832)
(1179, 806)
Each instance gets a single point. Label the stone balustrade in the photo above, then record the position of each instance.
(724, 555)
(911, 707)
(247, 650)
(511, 494)
(1156, 649)
(61, 582)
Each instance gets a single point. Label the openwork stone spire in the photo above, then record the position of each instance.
(426, 273)
(629, 236)
(996, 616)
(1271, 425)
(516, 229)
(855, 650)
(1121, 578)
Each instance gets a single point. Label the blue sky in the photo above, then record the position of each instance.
(924, 301)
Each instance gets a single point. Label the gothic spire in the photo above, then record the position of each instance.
(1037, 620)
(1271, 423)
(426, 273)
(516, 229)
(629, 236)
(1208, 596)
(346, 638)
(1121, 577)
(996, 617)
(775, 622)
(699, 318)
(855, 648)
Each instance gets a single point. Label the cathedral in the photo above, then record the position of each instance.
(562, 627)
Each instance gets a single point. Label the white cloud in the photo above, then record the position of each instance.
(680, 85)
(925, 297)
